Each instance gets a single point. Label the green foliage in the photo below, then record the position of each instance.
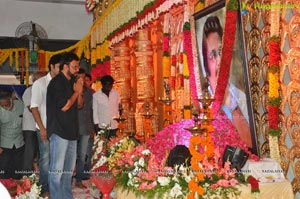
(186, 26)
(101, 61)
(274, 38)
(233, 5)
(274, 132)
(166, 54)
(275, 101)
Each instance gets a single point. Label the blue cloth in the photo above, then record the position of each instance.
(44, 155)
(82, 148)
(62, 163)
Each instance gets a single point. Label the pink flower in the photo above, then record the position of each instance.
(233, 181)
(26, 185)
(146, 186)
(223, 183)
(214, 186)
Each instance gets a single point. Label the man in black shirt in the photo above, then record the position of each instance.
(64, 97)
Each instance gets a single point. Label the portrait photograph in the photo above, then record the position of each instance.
(209, 32)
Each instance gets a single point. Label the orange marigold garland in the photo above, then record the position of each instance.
(200, 147)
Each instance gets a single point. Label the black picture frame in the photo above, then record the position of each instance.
(238, 77)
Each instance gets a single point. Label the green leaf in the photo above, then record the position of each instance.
(232, 5)
(275, 101)
(274, 132)
(187, 26)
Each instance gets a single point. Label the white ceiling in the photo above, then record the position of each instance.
(62, 19)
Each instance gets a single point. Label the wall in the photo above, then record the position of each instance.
(61, 21)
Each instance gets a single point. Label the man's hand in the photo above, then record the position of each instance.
(1, 150)
(78, 85)
(43, 133)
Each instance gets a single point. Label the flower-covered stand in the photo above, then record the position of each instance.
(25, 188)
(280, 190)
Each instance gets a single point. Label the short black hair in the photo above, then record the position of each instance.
(67, 58)
(55, 59)
(88, 75)
(81, 71)
(211, 25)
(107, 79)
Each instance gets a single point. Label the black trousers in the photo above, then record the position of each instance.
(30, 152)
(11, 163)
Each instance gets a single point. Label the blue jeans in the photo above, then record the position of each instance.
(88, 159)
(62, 163)
(82, 148)
(43, 162)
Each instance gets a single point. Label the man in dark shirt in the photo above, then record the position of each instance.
(86, 129)
(64, 97)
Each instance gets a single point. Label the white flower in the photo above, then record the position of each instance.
(132, 180)
(176, 191)
(163, 181)
(146, 152)
(175, 178)
(141, 162)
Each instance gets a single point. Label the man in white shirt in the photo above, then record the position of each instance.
(106, 106)
(38, 109)
(29, 129)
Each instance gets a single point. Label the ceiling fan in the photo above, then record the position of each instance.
(75, 2)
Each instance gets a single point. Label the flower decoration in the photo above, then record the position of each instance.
(228, 42)
(254, 184)
(90, 5)
(274, 85)
(187, 45)
(166, 57)
(100, 152)
(26, 188)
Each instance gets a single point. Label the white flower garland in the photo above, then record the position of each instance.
(122, 12)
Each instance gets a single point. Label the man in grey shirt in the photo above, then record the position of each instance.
(11, 137)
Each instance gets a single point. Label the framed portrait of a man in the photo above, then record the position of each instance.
(236, 104)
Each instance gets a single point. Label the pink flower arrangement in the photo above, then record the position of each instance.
(169, 137)
(175, 134)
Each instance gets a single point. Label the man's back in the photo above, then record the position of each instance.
(38, 98)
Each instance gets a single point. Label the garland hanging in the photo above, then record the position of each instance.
(274, 85)
(227, 48)
(187, 45)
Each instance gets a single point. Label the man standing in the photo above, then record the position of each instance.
(11, 137)
(86, 129)
(106, 106)
(29, 128)
(38, 109)
(64, 97)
